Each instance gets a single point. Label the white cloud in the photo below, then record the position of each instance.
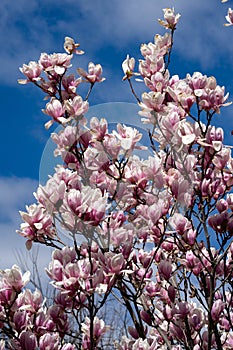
(15, 194)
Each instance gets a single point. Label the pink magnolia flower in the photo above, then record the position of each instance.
(217, 309)
(96, 159)
(28, 340)
(153, 170)
(88, 204)
(229, 18)
(157, 82)
(65, 256)
(170, 19)
(180, 223)
(151, 65)
(32, 71)
(38, 225)
(56, 270)
(70, 85)
(99, 329)
(49, 341)
(14, 278)
(7, 295)
(182, 309)
(51, 195)
(66, 141)
(168, 312)
(197, 82)
(128, 67)
(133, 332)
(196, 318)
(219, 222)
(59, 317)
(114, 262)
(145, 317)
(122, 236)
(56, 110)
(214, 137)
(55, 64)
(112, 145)
(193, 263)
(94, 73)
(152, 101)
(165, 269)
(152, 289)
(182, 94)
(71, 47)
(21, 320)
(29, 301)
(98, 127)
(163, 43)
(222, 205)
(212, 96)
(76, 107)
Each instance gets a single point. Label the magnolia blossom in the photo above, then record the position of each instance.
(128, 67)
(88, 204)
(128, 137)
(56, 63)
(99, 328)
(65, 139)
(157, 82)
(14, 278)
(229, 18)
(170, 18)
(76, 107)
(32, 71)
(55, 109)
(151, 102)
(37, 225)
(154, 233)
(70, 85)
(152, 64)
(71, 47)
(94, 73)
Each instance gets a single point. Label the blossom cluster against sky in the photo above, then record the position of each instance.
(107, 31)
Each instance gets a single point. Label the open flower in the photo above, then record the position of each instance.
(71, 47)
(94, 73)
(14, 277)
(56, 63)
(54, 109)
(76, 107)
(32, 71)
(99, 329)
(170, 19)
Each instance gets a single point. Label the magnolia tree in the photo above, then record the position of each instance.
(157, 232)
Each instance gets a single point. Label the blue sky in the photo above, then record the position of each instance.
(107, 31)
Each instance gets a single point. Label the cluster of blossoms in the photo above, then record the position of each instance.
(48, 74)
(26, 320)
(157, 232)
